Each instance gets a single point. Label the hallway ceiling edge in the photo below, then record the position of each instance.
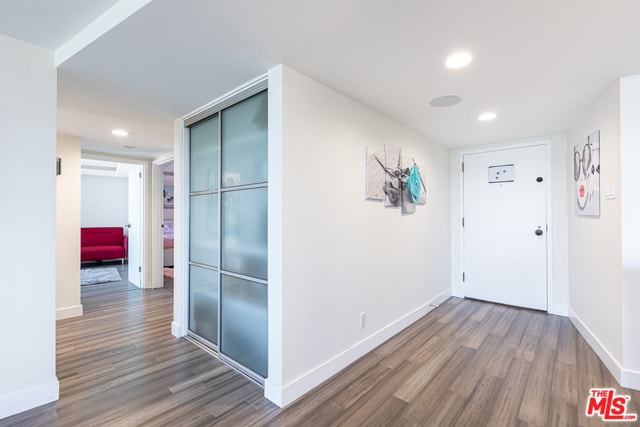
(538, 65)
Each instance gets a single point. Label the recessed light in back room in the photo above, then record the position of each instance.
(120, 132)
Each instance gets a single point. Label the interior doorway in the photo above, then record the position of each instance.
(163, 222)
(112, 196)
(505, 226)
(168, 225)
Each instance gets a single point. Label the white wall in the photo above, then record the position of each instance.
(68, 229)
(334, 254)
(595, 273)
(104, 201)
(630, 210)
(558, 284)
(28, 217)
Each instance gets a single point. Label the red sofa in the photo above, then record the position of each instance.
(102, 243)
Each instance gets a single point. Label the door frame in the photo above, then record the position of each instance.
(457, 210)
(157, 248)
(144, 205)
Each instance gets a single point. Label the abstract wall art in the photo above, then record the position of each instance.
(394, 178)
(586, 174)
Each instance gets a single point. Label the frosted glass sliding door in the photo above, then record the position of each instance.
(244, 142)
(204, 153)
(203, 233)
(244, 323)
(228, 233)
(204, 236)
(244, 232)
(203, 303)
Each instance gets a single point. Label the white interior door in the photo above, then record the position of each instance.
(135, 226)
(505, 227)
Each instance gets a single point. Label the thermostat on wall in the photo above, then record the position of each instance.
(501, 173)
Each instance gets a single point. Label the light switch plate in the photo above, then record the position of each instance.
(610, 193)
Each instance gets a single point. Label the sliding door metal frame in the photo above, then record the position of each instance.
(216, 108)
(225, 101)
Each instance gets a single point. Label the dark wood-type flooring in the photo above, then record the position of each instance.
(467, 363)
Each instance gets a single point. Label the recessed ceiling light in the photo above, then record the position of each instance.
(484, 117)
(458, 60)
(445, 101)
(130, 147)
(120, 132)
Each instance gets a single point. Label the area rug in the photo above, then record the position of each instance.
(92, 276)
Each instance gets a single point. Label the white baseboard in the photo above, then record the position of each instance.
(23, 400)
(607, 358)
(630, 379)
(559, 309)
(68, 312)
(176, 330)
(284, 395)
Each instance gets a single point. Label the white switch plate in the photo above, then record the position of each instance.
(610, 193)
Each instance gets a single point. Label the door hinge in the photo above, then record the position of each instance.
(463, 221)
(462, 167)
(463, 277)
(139, 269)
(140, 175)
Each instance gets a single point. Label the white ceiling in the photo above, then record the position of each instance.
(537, 64)
(106, 168)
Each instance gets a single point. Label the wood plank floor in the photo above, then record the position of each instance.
(467, 363)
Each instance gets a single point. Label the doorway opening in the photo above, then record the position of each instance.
(168, 225)
(112, 209)
(505, 224)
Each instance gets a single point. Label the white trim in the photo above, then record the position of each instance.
(179, 326)
(68, 312)
(609, 361)
(457, 284)
(559, 310)
(275, 299)
(237, 95)
(282, 396)
(459, 289)
(630, 379)
(157, 214)
(29, 398)
(177, 330)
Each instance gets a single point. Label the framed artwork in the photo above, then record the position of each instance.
(167, 196)
(586, 174)
(394, 179)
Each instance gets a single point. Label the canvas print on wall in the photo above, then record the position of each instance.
(167, 196)
(586, 173)
(395, 179)
(375, 174)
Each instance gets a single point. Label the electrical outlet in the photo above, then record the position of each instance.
(363, 319)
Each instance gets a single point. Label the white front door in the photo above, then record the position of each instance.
(505, 226)
(135, 226)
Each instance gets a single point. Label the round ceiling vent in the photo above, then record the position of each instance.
(445, 101)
